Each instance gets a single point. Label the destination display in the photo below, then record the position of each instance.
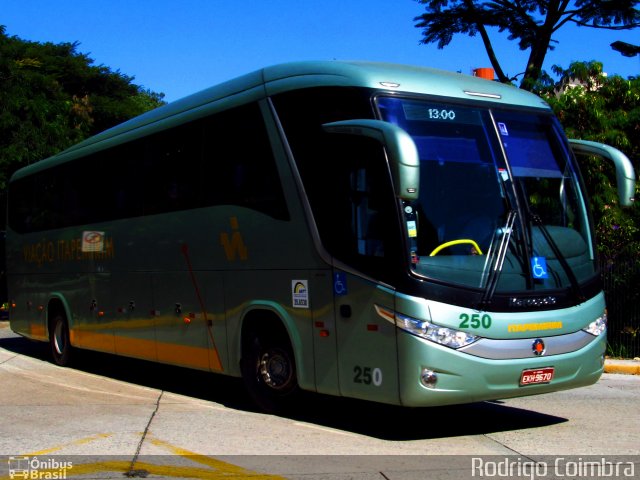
(440, 113)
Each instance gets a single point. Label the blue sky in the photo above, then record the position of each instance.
(180, 47)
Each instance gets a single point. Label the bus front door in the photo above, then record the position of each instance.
(367, 357)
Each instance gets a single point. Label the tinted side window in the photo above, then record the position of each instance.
(171, 169)
(238, 167)
(123, 180)
(346, 178)
(224, 159)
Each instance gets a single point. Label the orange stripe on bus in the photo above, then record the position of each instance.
(183, 355)
(37, 330)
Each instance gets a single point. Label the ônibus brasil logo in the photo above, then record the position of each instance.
(38, 469)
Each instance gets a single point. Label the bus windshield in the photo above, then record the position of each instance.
(500, 204)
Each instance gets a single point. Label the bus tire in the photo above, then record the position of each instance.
(61, 349)
(269, 370)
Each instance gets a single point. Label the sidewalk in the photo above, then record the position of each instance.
(628, 367)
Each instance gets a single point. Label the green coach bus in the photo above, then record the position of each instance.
(390, 233)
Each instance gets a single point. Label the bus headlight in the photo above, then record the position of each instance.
(448, 337)
(444, 336)
(598, 326)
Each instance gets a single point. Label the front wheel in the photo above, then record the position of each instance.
(269, 371)
(61, 349)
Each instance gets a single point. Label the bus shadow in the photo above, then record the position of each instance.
(388, 422)
(380, 421)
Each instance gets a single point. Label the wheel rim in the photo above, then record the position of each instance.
(275, 369)
(59, 339)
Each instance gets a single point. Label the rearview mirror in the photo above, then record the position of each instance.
(402, 152)
(625, 175)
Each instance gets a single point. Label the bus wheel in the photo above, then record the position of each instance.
(61, 349)
(269, 371)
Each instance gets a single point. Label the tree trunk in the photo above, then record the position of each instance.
(536, 60)
(492, 55)
(540, 46)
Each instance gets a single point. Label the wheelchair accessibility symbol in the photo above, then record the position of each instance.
(340, 284)
(539, 267)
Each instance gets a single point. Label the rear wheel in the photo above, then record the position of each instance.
(269, 370)
(61, 349)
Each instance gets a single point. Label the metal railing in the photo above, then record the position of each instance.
(621, 281)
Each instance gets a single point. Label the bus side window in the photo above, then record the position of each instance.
(239, 167)
(352, 199)
(365, 214)
(171, 176)
(346, 178)
(223, 159)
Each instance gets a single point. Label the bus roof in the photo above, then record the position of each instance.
(298, 75)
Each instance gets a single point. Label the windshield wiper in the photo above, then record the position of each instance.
(495, 259)
(575, 285)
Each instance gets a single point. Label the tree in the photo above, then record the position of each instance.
(594, 106)
(531, 22)
(52, 96)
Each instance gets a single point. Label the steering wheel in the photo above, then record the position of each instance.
(456, 242)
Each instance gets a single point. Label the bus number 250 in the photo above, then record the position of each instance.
(367, 375)
(475, 321)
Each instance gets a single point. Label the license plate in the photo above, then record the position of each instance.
(536, 376)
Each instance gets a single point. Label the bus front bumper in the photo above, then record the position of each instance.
(430, 374)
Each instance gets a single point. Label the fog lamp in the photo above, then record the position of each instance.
(428, 378)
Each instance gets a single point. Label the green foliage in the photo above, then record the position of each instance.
(52, 96)
(532, 23)
(593, 106)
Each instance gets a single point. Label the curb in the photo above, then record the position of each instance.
(625, 367)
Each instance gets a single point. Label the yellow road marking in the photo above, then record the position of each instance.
(226, 471)
(203, 459)
(212, 469)
(81, 441)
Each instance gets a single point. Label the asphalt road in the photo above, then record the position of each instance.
(113, 417)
